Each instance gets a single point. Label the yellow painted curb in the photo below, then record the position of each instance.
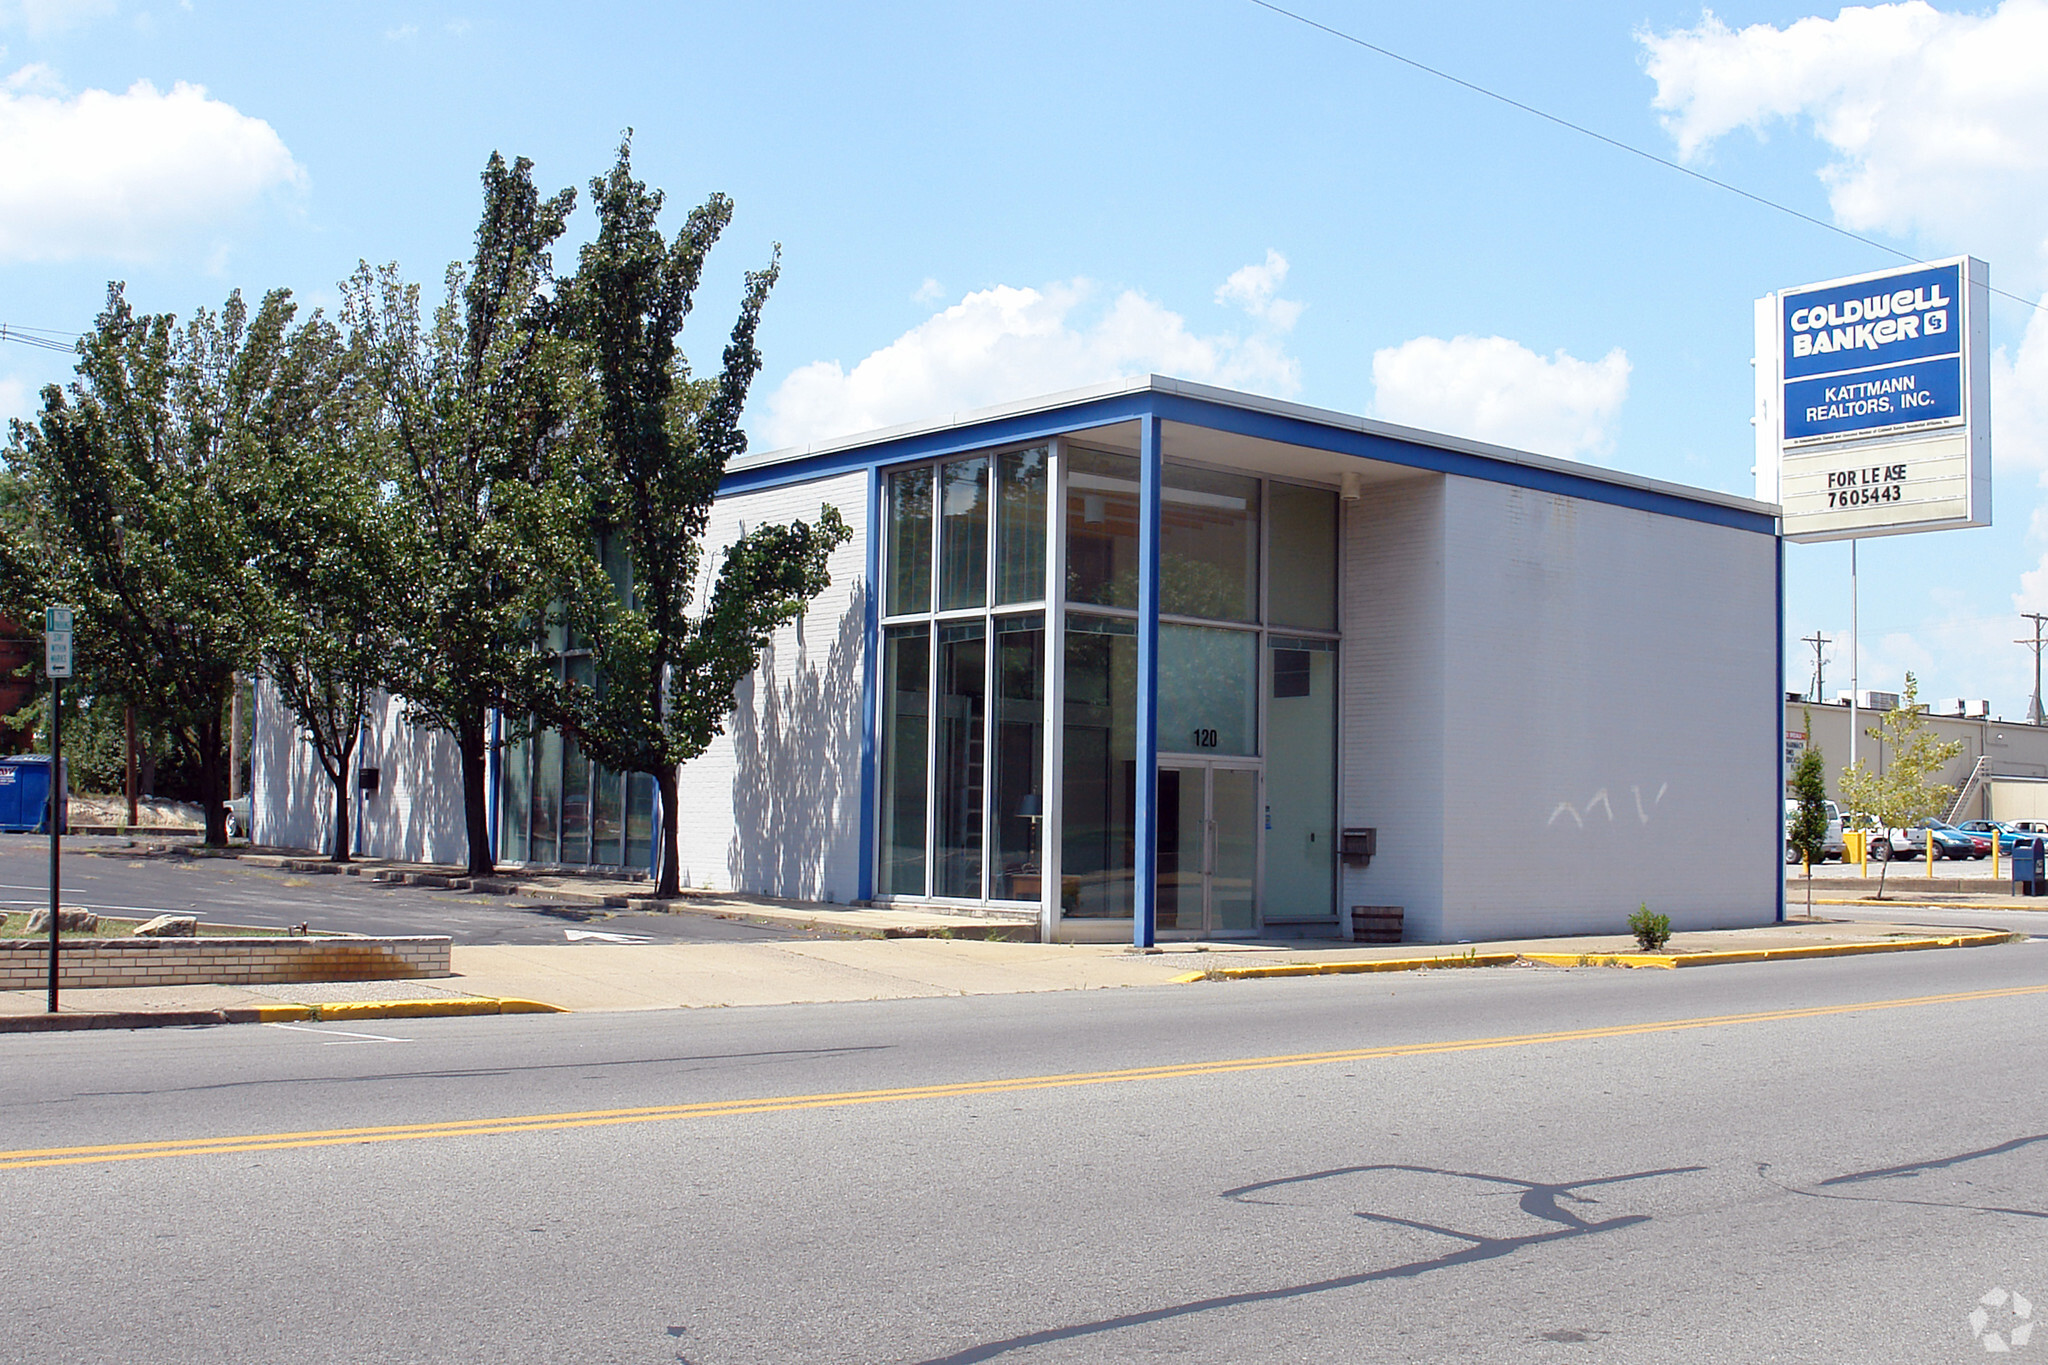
(282, 1014)
(1659, 960)
(429, 1009)
(1399, 964)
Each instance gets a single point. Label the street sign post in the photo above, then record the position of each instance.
(57, 667)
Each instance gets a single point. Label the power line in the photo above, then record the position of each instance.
(43, 338)
(1615, 143)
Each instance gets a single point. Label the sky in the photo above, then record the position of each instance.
(983, 203)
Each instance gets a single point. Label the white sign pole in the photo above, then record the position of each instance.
(1855, 638)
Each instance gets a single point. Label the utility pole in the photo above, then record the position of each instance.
(1819, 692)
(2035, 716)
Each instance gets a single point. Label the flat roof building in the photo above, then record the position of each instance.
(1160, 659)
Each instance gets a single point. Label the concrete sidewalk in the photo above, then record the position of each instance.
(598, 976)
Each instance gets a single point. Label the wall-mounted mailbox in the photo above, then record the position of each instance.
(1359, 846)
(366, 779)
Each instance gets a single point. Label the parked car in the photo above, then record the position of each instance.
(1992, 829)
(1831, 842)
(1979, 845)
(1886, 844)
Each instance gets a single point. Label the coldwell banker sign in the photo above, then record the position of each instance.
(1873, 406)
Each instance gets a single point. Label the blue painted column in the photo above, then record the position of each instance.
(1145, 897)
(871, 637)
(1778, 728)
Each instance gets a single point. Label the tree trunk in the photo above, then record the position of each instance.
(671, 875)
(475, 779)
(213, 764)
(340, 854)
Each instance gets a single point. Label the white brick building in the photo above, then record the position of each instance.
(1150, 657)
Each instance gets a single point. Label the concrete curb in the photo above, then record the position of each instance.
(1661, 960)
(274, 1014)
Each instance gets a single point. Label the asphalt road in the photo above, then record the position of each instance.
(105, 875)
(1818, 1161)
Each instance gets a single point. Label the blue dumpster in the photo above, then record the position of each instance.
(25, 794)
(2029, 867)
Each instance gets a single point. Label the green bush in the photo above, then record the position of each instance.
(1652, 931)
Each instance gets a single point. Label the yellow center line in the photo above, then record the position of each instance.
(776, 1104)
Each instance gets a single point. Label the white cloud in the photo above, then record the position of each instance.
(1497, 390)
(1006, 343)
(2019, 399)
(929, 292)
(126, 176)
(41, 17)
(404, 33)
(1934, 119)
(1253, 288)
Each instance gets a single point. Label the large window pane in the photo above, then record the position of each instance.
(1102, 528)
(910, 542)
(1098, 790)
(1304, 558)
(1020, 755)
(1208, 690)
(515, 793)
(575, 802)
(963, 554)
(1208, 544)
(1020, 526)
(547, 795)
(963, 695)
(639, 820)
(906, 720)
(1301, 798)
(607, 817)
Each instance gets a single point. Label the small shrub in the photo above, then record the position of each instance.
(1652, 931)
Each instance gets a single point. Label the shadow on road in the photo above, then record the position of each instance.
(1541, 1200)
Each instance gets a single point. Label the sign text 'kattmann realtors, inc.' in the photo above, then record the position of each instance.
(1873, 411)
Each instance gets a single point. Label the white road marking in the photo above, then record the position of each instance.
(340, 1033)
(577, 935)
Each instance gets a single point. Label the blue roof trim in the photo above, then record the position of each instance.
(1030, 426)
(1289, 430)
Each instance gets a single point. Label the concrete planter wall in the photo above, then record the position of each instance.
(88, 963)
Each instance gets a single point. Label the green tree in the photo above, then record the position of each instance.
(1809, 831)
(487, 518)
(321, 537)
(1904, 792)
(136, 480)
(662, 685)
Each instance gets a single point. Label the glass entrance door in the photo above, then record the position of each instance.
(1208, 848)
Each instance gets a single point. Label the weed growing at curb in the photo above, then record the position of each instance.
(1652, 931)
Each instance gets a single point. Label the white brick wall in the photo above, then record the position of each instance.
(1392, 683)
(415, 815)
(773, 806)
(1609, 718)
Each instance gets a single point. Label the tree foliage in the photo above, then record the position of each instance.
(1809, 831)
(663, 677)
(487, 521)
(137, 481)
(1905, 791)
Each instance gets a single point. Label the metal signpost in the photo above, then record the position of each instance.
(57, 667)
(1873, 409)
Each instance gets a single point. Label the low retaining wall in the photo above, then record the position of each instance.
(86, 963)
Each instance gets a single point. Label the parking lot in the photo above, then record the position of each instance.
(114, 876)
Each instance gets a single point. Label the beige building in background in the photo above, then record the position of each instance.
(2001, 774)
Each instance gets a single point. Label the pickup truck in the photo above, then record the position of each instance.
(1831, 843)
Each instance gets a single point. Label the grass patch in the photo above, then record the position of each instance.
(15, 925)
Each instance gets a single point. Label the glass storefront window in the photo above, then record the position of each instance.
(1301, 742)
(1020, 526)
(962, 695)
(1019, 756)
(1208, 544)
(1102, 528)
(910, 542)
(639, 820)
(1304, 558)
(547, 795)
(1099, 750)
(514, 771)
(906, 718)
(963, 553)
(1208, 690)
